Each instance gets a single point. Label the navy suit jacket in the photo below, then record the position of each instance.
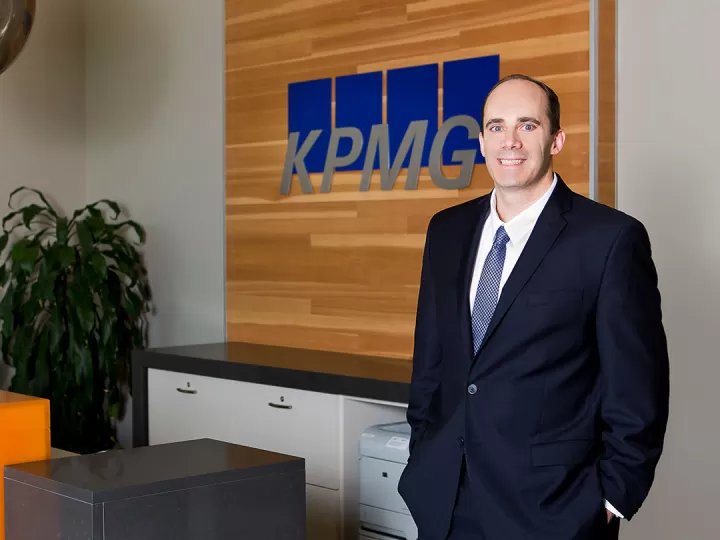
(565, 404)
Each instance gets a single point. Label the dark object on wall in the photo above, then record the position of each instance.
(16, 21)
(182, 491)
(75, 298)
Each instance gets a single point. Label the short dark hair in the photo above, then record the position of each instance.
(553, 103)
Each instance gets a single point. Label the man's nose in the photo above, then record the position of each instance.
(511, 140)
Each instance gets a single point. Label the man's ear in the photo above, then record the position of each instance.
(482, 144)
(558, 142)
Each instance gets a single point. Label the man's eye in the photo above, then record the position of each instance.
(495, 128)
(528, 127)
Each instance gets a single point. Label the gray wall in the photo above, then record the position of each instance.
(42, 114)
(155, 143)
(668, 141)
(154, 123)
(42, 110)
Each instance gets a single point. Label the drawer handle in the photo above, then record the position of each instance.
(185, 391)
(279, 406)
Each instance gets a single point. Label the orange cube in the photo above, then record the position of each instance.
(24, 436)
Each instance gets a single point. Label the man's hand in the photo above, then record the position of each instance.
(610, 515)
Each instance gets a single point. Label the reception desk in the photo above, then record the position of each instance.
(182, 491)
(24, 434)
(313, 404)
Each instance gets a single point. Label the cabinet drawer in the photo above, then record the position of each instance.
(182, 406)
(295, 422)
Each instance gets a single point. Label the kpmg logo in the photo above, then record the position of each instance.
(410, 139)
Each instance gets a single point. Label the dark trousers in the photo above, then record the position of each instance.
(464, 519)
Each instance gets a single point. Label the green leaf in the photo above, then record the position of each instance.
(65, 257)
(97, 226)
(93, 207)
(82, 363)
(84, 237)
(62, 230)
(45, 282)
(48, 206)
(7, 312)
(24, 253)
(56, 330)
(42, 364)
(4, 241)
(30, 212)
(59, 258)
(133, 304)
(107, 329)
(21, 347)
(125, 263)
(99, 264)
(139, 230)
(84, 307)
(32, 307)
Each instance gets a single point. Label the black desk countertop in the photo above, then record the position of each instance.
(138, 472)
(370, 377)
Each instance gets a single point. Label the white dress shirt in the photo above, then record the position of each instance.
(518, 230)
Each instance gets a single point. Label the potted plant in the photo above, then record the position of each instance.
(74, 304)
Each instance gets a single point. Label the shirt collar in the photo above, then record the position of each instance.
(519, 227)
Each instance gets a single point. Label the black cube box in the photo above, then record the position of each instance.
(191, 490)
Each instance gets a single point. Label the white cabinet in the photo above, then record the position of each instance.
(322, 428)
(182, 406)
(296, 422)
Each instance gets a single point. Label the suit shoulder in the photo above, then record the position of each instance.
(457, 213)
(603, 216)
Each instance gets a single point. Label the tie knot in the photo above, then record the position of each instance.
(501, 237)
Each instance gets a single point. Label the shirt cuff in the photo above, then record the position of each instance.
(613, 510)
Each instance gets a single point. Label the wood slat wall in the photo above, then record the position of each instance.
(606, 102)
(339, 271)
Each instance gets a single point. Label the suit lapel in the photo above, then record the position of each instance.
(549, 225)
(470, 240)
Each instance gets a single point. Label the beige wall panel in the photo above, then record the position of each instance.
(339, 271)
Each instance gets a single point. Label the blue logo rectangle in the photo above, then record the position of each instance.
(309, 108)
(409, 139)
(412, 94)
(358, 103)
(465, 84)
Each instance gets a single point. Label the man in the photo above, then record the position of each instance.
(539, 394)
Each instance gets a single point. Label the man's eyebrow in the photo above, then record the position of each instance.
(494, 121)
(530, 119)
(521, 120)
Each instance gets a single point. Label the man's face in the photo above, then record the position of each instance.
(516, 139)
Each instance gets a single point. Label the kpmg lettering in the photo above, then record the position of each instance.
(410, 138)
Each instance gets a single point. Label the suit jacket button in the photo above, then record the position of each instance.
(461, 441)
(472, 389)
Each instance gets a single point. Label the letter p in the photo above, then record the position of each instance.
(332, 161)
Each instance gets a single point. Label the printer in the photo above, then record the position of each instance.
(384, 452)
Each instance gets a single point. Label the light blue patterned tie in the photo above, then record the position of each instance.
(488, 287)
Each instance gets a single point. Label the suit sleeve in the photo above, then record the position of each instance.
(426, 352)
(635, 371)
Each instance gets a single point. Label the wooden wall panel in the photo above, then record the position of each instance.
(340, 270)
(606, 192)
